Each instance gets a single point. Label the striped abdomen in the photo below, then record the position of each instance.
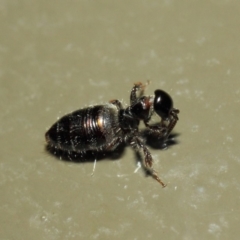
(90, 128)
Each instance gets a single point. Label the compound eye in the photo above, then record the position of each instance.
(162, 103)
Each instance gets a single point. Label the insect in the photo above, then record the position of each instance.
(104, 127)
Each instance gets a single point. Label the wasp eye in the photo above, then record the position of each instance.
(162, 103)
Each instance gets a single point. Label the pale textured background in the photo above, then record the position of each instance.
(59, 56)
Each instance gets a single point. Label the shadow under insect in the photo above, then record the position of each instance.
(151, 140)
(154, 142)
(88, 156)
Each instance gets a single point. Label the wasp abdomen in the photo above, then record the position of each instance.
(85, 129)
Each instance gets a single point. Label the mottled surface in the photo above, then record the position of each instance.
(56, 57)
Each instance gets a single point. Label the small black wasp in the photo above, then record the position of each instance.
(104, 127)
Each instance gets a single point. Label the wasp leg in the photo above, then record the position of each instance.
(137, 144)
(137, 86)
(113, 144)
(174, 118)
(163, 130)
(117, 103)
(160, 130)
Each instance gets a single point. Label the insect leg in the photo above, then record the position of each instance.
(137, 86)
(159, 130)
(113, 144)
(174, 118)
(117, 103)
(162, 130)
(137, 144)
